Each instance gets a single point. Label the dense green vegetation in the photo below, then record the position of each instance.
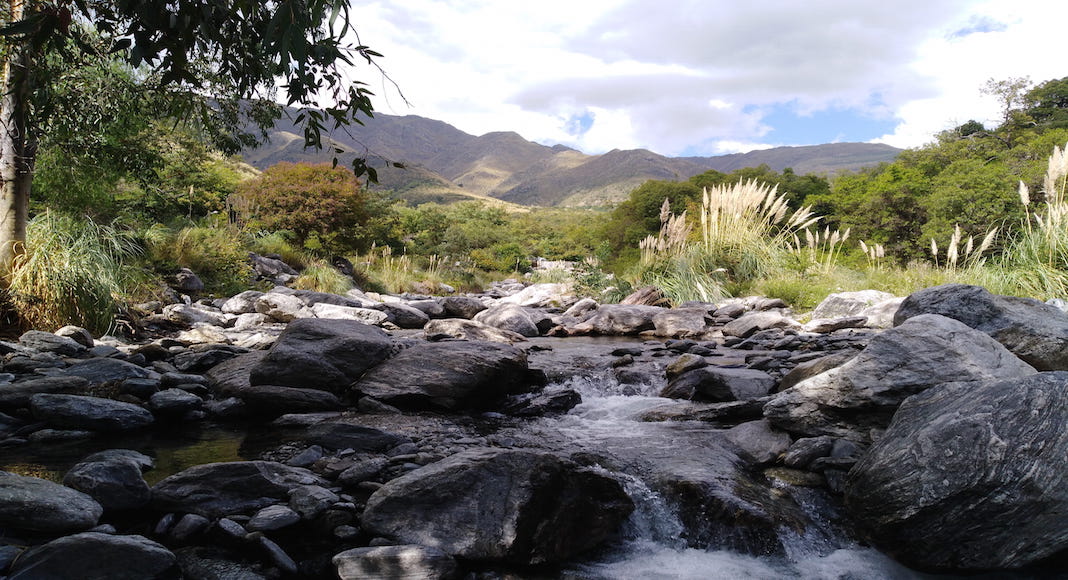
(124, 201)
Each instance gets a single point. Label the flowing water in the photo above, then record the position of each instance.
(651, 545)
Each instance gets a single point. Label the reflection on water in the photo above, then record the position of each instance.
(174, 449)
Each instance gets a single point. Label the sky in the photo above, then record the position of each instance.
(707, 77)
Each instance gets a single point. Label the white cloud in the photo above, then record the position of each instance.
(698, 75)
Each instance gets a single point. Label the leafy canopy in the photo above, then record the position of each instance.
(220, 63)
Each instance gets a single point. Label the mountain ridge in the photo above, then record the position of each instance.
(444, 164)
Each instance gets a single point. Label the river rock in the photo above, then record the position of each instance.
(718, 384)
(364, 315)
(17, 395)
(189, 314)
(862, 394)
(753, 322)
(77, 334)
(88, 413)
(174, 402)
(681, 322)
(113, 479)
(408, 562)
(759, 440)
(105, 370)
(243, 303)
(273, 517)
(450, 375)
(846, 304)
(218, 489)
(282, 307)
(510, 317)
(30, 503)
(96, 556)
(272, 400)
(464, 307)
(1032, 330)
(970, 476)
(322, 354)
(618, 320)
(519, 506)
(340, 435)
(469, 330)
(541, 295)
(47, 342)
(403, 315)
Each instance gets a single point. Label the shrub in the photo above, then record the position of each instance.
(72, 272)
(322, 277)
(217, 255)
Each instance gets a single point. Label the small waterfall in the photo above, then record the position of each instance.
(651, 544)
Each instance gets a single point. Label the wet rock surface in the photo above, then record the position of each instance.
(349, 419)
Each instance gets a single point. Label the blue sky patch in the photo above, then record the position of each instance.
(577, 125)
(827, 126)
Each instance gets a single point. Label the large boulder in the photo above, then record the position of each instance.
(341, 435)
(682, 322)
(16, 395)
(408, 562)
(465, 307)
(38, 505)
(450, 375)
(215, 490)
(716, 385)
(861, 395)
(1032, 330)
(97, 556)
(88, 413)
(101, 370)
(112, 478)
(469, 330)
(541, 295)
(970, 476)
(510, 317)
(325, 354)
(494, 504)
(846, 304)
(618, 320)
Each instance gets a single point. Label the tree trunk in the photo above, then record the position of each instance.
(17, 151)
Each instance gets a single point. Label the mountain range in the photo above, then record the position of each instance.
(444, 164)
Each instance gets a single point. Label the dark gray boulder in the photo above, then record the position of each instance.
(861, 395)
(403, 315)
(409, 562)
(268, 401)
(1032, 330)
(112, 478)
(215, 490)
(96, 556)
(88, 413)
(325, 354)
(450, 375)
(47, 342)
(494, 504)
(339, 435)
(618, 320)
(970, 476)
(105, 370)
(38, 505)
(17, 395)
(716, 385)
(464, 307)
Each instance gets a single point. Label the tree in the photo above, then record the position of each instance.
(319, 203)
(1011, 94)
(1047, 103)
(218, 64)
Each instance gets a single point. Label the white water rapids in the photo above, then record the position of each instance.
(650, 546)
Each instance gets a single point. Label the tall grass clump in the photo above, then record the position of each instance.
(72, 272)
(1035, 261)
(279, 244)
(746, 230)
(216, 254)
(322, 277)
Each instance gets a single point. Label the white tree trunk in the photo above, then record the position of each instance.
(16, 151)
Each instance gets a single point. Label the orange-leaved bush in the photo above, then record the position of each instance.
(323, 206)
